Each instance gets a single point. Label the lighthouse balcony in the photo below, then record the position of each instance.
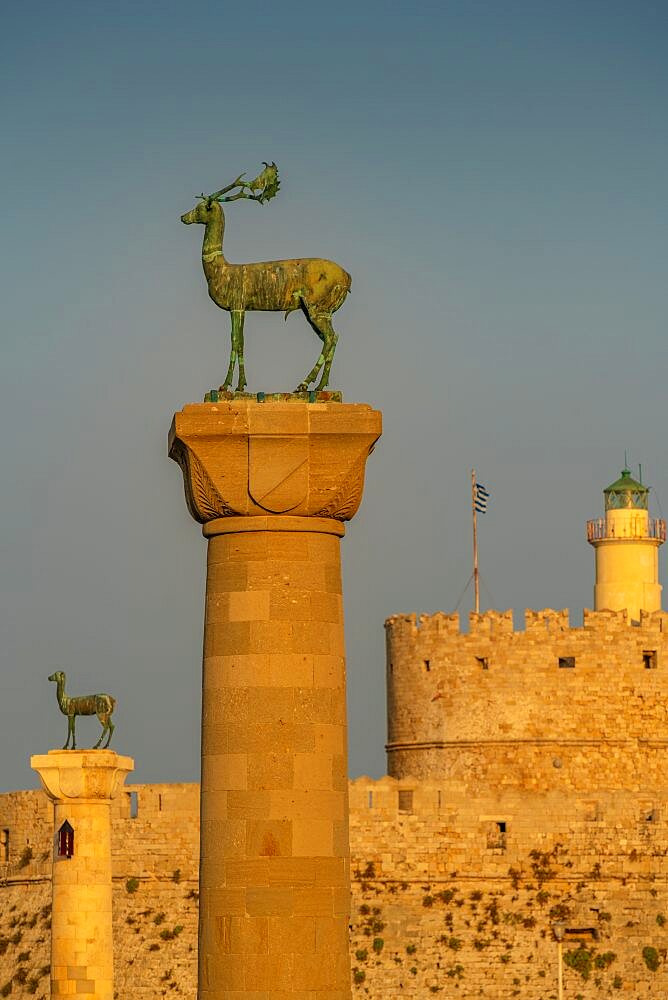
(599, 530)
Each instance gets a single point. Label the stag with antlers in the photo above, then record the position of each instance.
(317, 287)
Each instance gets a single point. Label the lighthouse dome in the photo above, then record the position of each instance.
(626, 492)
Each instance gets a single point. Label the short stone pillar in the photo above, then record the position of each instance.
(272, 483)
(81, 784)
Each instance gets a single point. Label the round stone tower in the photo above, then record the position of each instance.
(626, 542)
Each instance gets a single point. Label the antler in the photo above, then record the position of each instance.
(216, 196)
(266, 183)
(262, 188)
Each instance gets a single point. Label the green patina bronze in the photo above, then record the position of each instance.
(317, 287)
(101, 705)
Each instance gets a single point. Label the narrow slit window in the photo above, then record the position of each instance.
(427, 665)
(134, 804)
(405, 801)
(482, 662)
(649, 659)
(566, 662)
(370, 800)
(4, 845)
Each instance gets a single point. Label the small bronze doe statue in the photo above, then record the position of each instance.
(101, 705)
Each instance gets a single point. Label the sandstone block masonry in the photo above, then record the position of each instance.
(154, 861)
(81, 785)
(451, 895)
(547, 708)
(272, 483)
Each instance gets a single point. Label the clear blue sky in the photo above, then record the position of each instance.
(492, 174)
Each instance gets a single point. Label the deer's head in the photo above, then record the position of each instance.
(203, 212)
(58, 676)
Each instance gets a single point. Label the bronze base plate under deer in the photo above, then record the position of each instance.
(222, 394)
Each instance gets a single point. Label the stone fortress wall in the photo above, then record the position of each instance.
(524, 794)
(155, 850)
(451, 894)
(548, 707)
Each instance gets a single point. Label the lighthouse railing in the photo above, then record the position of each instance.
(598, 529)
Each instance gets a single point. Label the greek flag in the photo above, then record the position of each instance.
(481, 498)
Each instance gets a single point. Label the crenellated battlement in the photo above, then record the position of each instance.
(500, 623)
(499, 704)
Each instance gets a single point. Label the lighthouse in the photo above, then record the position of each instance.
(626, 542)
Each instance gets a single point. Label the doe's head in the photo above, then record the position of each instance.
(57, 676)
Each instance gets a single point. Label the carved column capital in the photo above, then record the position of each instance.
(242, 458)
(88, 775)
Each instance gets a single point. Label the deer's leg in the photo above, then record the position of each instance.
(233, 356)
(110, 731)
(313, 374)
(104, 722)
(69, 733)
(239, 316)
(74, 735)
(331, 340)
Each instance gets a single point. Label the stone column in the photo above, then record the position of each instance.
(81, 784)
(272, 483)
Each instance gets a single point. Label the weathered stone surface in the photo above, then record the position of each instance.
(81, 785)
(241, 457)
(272, 481)
(435, 879)
(493, 707)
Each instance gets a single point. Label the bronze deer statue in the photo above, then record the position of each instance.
(101, 705)
(317, 287)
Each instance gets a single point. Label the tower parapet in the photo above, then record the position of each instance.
(549, 703)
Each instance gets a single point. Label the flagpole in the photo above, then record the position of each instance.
(476, 574)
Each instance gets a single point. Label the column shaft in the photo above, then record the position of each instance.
(272, 483)
(274, 879)
(82, 951)
(81, 784)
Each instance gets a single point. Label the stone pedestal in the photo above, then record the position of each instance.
(81, 784)
(272, 483)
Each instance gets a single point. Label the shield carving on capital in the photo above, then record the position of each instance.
(278, 471)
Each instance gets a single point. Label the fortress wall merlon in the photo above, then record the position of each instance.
(496, 623)
(546, 620)
(438, 624)
(654, 620)
(605, 620)
(398, 624)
